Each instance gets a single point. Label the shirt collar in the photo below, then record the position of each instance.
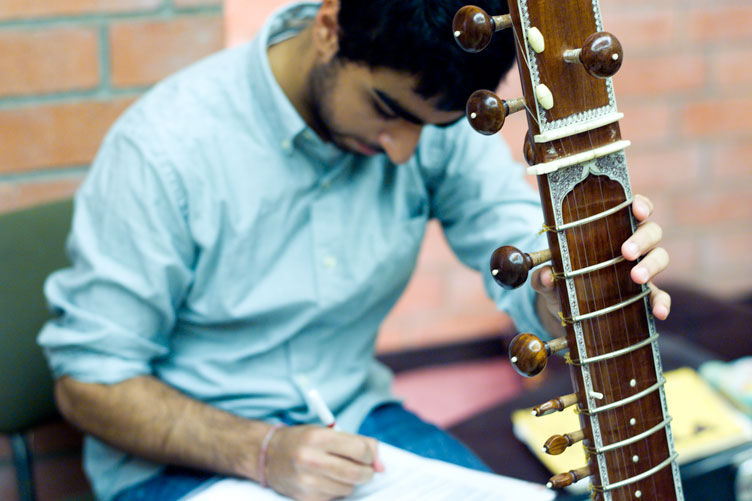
(284, 122)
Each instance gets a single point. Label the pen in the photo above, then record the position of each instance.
(319, 407)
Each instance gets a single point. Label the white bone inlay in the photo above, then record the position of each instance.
(632, 422)
(544, 96)
(586, 156)
(633, 383)
(535, 37)
(577, 128)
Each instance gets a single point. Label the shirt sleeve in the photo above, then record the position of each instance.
(131, 256)
(482, 200)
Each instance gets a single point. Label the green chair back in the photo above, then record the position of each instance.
(31, 247)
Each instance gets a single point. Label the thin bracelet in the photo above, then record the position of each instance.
(262, 453)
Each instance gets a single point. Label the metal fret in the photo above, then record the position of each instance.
(636, 478)
(629, 441)
(617, 353)
(589, 269)
(595, 217)
(624, 401)
(605, 311)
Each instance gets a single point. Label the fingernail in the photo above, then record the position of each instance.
(631, 250)
(661, 312)
(546, 278)
(641, 274)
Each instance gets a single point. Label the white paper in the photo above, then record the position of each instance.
(406, 477)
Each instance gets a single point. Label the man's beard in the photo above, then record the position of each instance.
(320, 101)
(320, 84)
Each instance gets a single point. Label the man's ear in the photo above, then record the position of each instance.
(326, 30)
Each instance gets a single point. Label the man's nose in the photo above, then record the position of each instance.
(399, 142)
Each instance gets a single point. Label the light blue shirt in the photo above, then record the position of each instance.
(220, 246)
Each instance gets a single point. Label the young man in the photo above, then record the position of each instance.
(245, 228)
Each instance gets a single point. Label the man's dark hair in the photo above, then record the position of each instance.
(415, 36)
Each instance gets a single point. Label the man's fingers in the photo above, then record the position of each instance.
(542, 280)
(660, 302)
(642, 207)
(653, 263)
(645, 238)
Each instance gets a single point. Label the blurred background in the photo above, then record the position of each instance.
(68, 68)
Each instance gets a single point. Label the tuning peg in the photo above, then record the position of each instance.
(555, 404)
(565, 479)
(486, 111)
(601, 55)
(473, 28)
(529, 354)
(559, 443)
(510, 266)
(528, 151)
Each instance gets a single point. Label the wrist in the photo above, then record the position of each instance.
(263, 454)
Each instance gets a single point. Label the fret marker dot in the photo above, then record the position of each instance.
(638, 494)
(633, 383)
(473, 115)
(632, 422)
(635, 458)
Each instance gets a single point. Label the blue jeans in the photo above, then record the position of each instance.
(389, 423)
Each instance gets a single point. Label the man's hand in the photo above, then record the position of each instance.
(315, 463)
(643, 242)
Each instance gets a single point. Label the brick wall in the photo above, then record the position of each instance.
(67, 69)
(686, 91)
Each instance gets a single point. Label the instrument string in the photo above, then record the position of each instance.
(523, 53)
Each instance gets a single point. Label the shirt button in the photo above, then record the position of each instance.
(330, 262)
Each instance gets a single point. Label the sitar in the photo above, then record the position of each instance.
(574, 147)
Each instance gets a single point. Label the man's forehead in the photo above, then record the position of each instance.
(397, 90)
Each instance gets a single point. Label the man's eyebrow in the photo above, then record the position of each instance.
(397, 108)
(401, 112)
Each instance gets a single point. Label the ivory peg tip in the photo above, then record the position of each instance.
(457, 34)
(537, 42)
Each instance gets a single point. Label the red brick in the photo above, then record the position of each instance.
(425, 292)
(730, 116)
(715, 208)
(725, 284)
(19, 195)
(727, 250)
(42, 61)
(638, 31)
(732, 163)
(684, 254)
(659, 75)
(244, 19)
(435, 253)
(647, 123)
(731, 67)
(21, 9)
(54, 135)
(665, 169)
(719, 23)
(179, 42)
(195, 3)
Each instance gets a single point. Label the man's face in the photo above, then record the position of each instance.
(371, 111)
